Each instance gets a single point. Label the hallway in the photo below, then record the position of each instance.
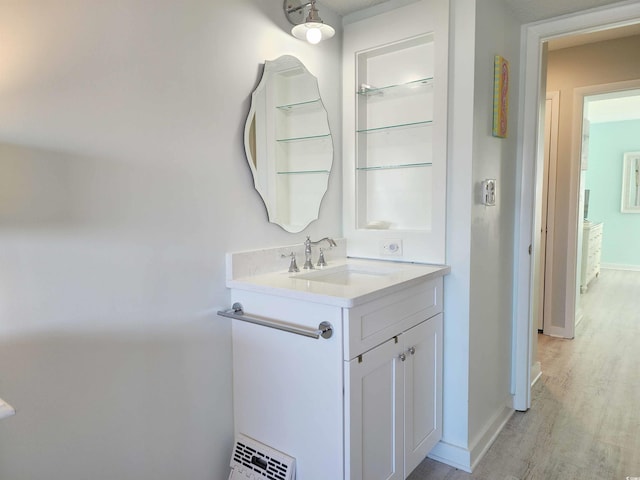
(584, 421)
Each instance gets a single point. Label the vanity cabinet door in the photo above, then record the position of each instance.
(374, 430)
(423, 390)
(394, 403)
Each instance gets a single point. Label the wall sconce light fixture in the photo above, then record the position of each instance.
(307, 22)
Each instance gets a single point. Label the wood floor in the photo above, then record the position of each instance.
(584, 422)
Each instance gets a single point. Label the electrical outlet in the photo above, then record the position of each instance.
(391, 247)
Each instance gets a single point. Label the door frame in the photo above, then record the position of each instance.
(532, 36)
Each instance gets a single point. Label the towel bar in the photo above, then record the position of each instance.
(324, 330)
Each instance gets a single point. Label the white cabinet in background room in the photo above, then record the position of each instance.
(365, 404)
(591, 253)
(395, 133)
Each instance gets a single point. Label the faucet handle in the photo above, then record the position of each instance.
(321, 260)
(293, 266)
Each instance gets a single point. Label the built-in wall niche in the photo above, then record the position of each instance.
(395, 120)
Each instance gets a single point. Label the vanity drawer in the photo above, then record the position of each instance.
(372, 323)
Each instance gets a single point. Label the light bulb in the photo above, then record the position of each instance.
(314, 35)
(313, 32)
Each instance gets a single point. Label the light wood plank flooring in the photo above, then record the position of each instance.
(584, 422)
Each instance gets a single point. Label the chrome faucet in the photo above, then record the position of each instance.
(293, 266)
(308, 264)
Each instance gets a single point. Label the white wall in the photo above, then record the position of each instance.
(459, 200)
(125, 183)
(478, 292)
(492, 228)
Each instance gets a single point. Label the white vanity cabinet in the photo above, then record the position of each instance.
(364, 404)
(394, 403)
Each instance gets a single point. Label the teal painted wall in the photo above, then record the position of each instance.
(608, 143)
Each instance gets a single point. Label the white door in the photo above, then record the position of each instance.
(423, 390)
(375, 420)
(548, 207)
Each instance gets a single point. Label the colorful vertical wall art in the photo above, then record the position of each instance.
(500, 96)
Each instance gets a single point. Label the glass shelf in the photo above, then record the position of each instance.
(303, 139)
(304, 172)
(394, 167)
(301, 106)
(400, 89)
(391, 127)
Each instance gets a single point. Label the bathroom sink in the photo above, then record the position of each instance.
(347, 274)
(345, 282)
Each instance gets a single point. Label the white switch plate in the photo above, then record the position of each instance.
(391, 247)
(489, 192)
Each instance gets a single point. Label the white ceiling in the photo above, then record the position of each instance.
(344, 7)
(525, 10)
(534, 10)
(593, 37)
(614, 107)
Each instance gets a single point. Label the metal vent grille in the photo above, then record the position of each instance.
(261, 461)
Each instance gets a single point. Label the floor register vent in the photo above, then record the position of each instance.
(253, 460)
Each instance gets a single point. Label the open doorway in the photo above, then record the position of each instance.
(529, 171)
(566, 233)
(608, 186)
(613, 115)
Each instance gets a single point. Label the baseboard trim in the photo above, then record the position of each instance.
(484, 441)
(615, 266)
(452, 455)
(536, 373)
(467, 459)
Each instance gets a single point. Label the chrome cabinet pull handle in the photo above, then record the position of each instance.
(402, 357)
(412, 350)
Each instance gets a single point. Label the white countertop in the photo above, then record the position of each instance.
(371, 279)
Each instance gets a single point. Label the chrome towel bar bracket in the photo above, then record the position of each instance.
(324, 330)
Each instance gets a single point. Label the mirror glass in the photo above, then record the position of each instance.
(288, 143)
(631, 183)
